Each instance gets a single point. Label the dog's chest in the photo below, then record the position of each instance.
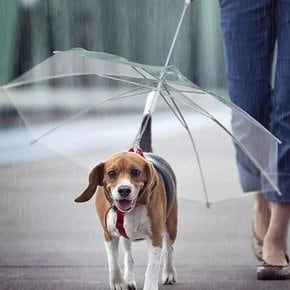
(136, 223)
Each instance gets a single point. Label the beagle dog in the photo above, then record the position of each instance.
(135, 200)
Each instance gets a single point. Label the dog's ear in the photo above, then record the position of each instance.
(150, 185)
(95, 178)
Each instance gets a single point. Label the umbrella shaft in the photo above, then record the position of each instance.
(151, 101)
(153, 96)
(186, 5)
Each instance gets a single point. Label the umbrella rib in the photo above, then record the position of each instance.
(141, 74)
(235, 140)
(232, 105)
(151, 73)
(128, 82)
(182, 120)
(18, 84)
(173, 111)
(172, 89)
(79, 114)
(187, 90)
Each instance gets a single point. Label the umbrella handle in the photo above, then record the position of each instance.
(187, 2)
(150, 102)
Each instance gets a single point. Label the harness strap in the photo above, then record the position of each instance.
(120, 224)
(119, 221)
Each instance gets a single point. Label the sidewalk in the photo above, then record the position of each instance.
(48, 242)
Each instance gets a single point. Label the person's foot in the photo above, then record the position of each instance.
(273, 255)
(275, 264)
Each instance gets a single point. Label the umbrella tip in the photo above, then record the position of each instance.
(208, 205)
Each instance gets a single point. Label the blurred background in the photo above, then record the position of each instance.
(141, 31)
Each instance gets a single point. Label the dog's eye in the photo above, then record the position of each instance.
(112, 174)
(135, 173)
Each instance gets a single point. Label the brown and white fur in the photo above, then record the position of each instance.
(130, 183)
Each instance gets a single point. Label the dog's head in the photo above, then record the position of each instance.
(127, 178)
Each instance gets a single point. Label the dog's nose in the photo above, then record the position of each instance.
(124, 190)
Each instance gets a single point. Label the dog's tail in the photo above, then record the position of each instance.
(145, 132)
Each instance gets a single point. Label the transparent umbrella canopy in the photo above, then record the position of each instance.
(86, 105)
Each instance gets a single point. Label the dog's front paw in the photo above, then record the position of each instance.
(169, 277)
(123, 286)
(119, 286)
(118, 283)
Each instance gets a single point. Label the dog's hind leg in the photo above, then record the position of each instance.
(116, 279)
(169, 276)
(129, 266)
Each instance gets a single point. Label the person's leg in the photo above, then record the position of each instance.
(275, 242)
(249, 37)
(248, 34)
(261, 220)
(280, 115)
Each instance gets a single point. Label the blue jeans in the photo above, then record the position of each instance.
(250, 30)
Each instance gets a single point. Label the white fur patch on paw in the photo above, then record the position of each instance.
(169, 277)
(119, 286)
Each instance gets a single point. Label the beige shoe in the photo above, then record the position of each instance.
(271, 272)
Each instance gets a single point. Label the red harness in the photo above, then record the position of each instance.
(120, 224)
(119, 221)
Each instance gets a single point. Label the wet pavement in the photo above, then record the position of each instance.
(49, 242)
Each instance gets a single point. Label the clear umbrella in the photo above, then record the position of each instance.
(79, 101)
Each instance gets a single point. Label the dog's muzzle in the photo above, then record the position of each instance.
(124, 203)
